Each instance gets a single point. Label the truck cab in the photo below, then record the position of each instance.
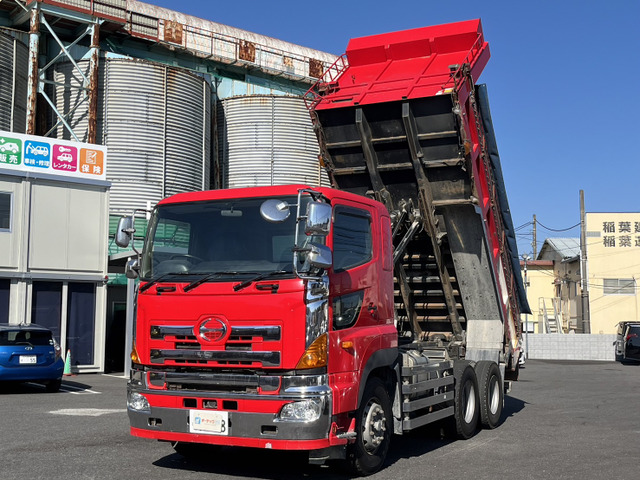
(259, 312)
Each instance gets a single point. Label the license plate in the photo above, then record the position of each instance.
(209, 422)
(28, 359)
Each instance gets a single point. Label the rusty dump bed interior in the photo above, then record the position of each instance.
(400, 119)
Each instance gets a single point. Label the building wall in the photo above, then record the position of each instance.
(53, 250)
(553, 346)
(540, 286)
(613, 257)
(567, 286)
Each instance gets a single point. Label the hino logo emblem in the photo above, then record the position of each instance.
(211, 330)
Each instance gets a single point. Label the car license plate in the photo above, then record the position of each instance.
(28, 359)
(209, 422)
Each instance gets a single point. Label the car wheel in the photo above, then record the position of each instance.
(373, 427)
(53, 386)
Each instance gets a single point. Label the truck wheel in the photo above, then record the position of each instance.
(373, 427)
(465, 419)
(491, 393)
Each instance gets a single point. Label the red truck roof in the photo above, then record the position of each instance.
(268, 191)
(403, 65)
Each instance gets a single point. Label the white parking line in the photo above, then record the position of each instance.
(77, 390)
(126, 377)
(87, 412)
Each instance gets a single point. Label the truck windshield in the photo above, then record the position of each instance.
(222, 236)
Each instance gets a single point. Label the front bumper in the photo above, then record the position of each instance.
(252, 419)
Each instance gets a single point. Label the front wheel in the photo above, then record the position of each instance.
(373, 427)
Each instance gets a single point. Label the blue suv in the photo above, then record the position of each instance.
(29, 353)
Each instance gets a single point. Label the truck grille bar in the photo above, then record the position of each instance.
(214, 381)
(269, 359)
(268, 333)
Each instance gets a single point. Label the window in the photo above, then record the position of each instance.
(34, 337)
(46, 306)
(5, 290)
(5, 211)
(619, 286)
(346, 309)
(81, 313)
(351, 238)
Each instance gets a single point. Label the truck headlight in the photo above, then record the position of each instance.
(138, 402)
(302, 411)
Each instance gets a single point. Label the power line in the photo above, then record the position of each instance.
(557, 229)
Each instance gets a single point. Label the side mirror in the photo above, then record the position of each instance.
(131, 268)
(125, 231)
(319, 256)
(318, 219)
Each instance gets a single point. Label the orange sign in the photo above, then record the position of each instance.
(91, 161)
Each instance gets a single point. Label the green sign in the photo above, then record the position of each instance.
(10, 150)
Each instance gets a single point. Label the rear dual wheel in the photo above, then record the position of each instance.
(464, 423)
(491, 393)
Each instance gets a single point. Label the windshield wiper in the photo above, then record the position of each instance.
(159, 278)
(257, 278)
(206, 278)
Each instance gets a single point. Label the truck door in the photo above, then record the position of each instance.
(354, 331)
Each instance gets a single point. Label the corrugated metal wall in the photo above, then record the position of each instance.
(14, 64)
(267, 140)
(156, 121)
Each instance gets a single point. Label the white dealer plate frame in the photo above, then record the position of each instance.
(209, 422)
(28, 359)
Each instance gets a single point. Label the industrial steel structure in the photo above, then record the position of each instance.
(165, 93)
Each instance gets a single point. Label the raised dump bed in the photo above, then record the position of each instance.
(399, 118)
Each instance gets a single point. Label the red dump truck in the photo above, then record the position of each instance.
(329, 319)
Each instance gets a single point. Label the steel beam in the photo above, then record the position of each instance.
(371, 160)
(93, 83)
(32, 79)
(428, 215)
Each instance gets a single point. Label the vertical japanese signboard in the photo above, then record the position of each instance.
(28, 153)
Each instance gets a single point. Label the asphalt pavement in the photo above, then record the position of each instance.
(562, 420)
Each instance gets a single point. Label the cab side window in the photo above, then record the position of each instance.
(352, 239)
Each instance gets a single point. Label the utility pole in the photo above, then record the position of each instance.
(584, 281)
(526, 258)
(534, 244)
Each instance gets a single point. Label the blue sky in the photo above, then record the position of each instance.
(563, 82)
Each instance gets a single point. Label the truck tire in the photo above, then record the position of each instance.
(465, 419)
(491, 393)
(373, 428)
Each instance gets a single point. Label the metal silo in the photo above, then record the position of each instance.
(156, 122)
(267, 140)
(14, 65)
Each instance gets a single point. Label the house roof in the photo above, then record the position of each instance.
(560, 249)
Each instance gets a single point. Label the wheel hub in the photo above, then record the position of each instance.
(374, 426)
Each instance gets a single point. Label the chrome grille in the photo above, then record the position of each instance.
(181, 346)
(267, 333)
